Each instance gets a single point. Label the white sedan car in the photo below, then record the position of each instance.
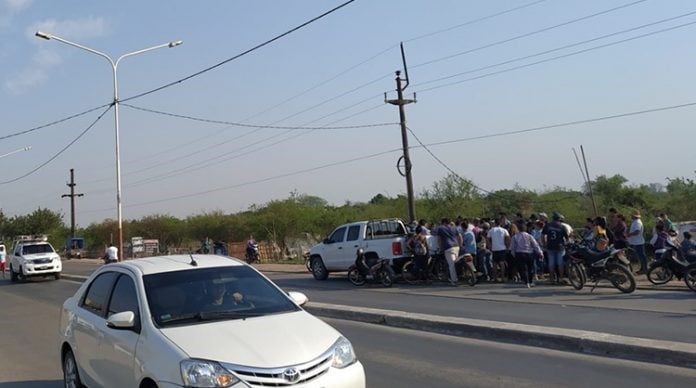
(197, 321)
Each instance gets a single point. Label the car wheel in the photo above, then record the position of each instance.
(56, 275)
(71, 376)
(21, 276)
(13, 274)
(318, 269)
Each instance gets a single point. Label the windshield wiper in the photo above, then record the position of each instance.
(226, 314)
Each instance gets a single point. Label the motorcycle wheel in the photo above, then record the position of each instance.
(621, 278)
(660, 274)
(690, 277)
(386, 279)
(468, 276)
(441, 270)
(576, 276)
(407, 273)
(355, 277)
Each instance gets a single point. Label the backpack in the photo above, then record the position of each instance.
(419, 249)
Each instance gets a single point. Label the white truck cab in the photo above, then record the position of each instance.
(33, 256)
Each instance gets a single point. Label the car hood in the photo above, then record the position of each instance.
(267, 342)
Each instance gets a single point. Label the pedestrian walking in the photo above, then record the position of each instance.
(523, 247)
(499, 240)
(450, 240)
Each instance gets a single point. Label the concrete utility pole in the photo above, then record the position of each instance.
(72, 196)
(400, 101)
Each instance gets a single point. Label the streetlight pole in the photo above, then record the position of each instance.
(114, 67)
(15, 151)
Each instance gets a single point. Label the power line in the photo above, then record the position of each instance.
(558, 57)
(59, 152)
(477, 187)
(240, 54)
(76, 115)
(557, 49)
(224, 188)
(565, 124)
(508, 40)
(235, 124)
(224, 157)
(473, 21)
(425, 146)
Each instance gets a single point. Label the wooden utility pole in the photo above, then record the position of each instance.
(400, 101)
(72, 196)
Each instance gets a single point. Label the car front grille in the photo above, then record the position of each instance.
(45, 260)
(279, 377)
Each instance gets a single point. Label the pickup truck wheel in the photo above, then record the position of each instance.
(318, 269)
(56, 275)
(13, 274)
(21, 276)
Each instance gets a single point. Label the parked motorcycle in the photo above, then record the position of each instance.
(670, 263)
(362, 272)
(585, 264)
(252, 254)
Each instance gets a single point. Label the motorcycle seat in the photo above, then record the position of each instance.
(594, 256)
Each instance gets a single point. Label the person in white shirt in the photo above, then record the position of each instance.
(111, 255)
(637, 241)
(499, 241)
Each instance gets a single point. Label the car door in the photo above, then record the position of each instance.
(335, 252)
(117, 349)
(89, 325)
(350, 246)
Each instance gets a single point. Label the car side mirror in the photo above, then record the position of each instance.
(123, 320)
(326, 241)
(298, 297)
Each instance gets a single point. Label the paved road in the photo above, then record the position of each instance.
(639, 314)
(392, 357)
(404, 358)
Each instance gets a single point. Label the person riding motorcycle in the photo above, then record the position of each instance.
(365, 265)
(251, 247)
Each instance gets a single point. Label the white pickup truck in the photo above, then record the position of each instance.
(385, 239)
(34, 256)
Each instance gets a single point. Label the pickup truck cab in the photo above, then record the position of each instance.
(385, 239)
(33, 256)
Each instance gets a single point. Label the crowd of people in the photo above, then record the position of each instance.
(527, 249)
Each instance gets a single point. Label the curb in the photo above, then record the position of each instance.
(578, 341)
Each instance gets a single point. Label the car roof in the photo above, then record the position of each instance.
(160, 264)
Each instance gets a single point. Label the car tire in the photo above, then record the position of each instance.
(71, 374)
(318, 269)
(21, 276)
(56, 275)
(13, 274)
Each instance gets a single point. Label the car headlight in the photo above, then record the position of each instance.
(343, 354)
(204, 374)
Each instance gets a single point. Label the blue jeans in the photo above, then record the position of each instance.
(556, 259)
(640, 251)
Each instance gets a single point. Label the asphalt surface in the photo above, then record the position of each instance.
(391, 357)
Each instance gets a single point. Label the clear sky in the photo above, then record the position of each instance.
(519, 70)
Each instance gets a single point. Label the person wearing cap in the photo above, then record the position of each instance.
(555, 238)
(636, 240)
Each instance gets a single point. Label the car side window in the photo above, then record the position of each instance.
(338, 235)
(124, 297)
(353, 233)
(98, 293)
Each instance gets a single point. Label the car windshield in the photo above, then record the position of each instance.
(205, 294)
(38, 248)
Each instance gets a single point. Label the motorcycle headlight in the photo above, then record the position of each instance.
(206, 374)
(343, 354)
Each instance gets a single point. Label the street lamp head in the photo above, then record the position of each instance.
(175, 43)
(43, 35)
